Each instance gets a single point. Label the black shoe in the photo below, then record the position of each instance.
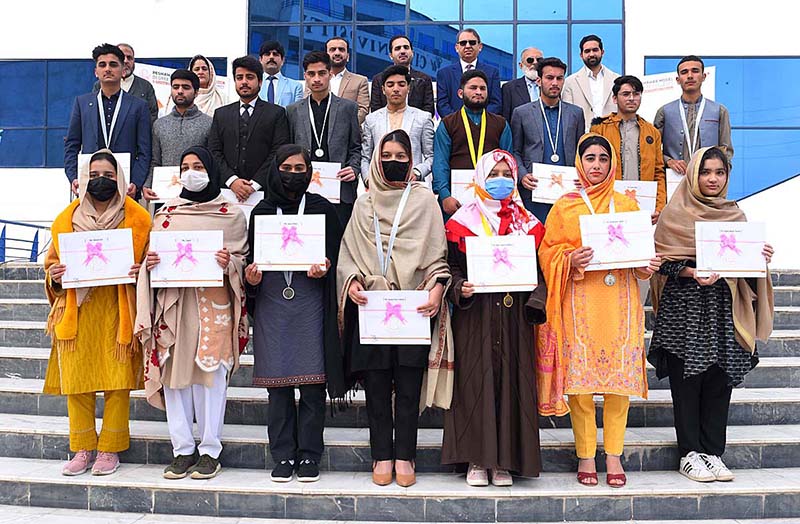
(283, 471)
(307, 471)
(180, 467)
(206, 468)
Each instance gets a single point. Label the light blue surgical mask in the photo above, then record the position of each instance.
(500, 187)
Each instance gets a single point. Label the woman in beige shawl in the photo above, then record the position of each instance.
(192, 336)
(706, 327)
(417, 260)
(209, 96)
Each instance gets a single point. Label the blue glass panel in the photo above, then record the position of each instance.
(372, 48)
(66, 79)
(22, 102)
(550, 38)
(275, 10)
(54, 156)
(381, 10)
(324, 11)
(597, 10)
(286, 35)
(498, 48)
(611, 34)
(22, 148)
(488, 10)
(541, 10)
(440, 10)
(762, 158)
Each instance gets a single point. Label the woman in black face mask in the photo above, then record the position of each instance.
(295, 335)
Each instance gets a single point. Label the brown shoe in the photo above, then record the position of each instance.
(406, 480)
(381, 479)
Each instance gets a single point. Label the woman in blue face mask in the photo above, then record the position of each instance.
(492, 422)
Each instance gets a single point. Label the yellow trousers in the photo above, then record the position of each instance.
(584, 424)
(114, 436)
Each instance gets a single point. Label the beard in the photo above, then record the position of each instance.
(531, 74)
(475, 106)
(591, 62)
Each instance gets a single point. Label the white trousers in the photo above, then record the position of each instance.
(207, 404)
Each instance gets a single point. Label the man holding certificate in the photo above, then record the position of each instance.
(94, 348)
(492, 423)
(327, 125)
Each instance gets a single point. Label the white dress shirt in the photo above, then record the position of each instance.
(127, 83)
(596, 85)
(336, 82)
(465, 64)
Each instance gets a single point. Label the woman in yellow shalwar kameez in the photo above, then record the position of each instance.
(593, 341)
(92, 328)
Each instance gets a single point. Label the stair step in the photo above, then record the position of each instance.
(24, 309)
(22, 289)
(755, 493)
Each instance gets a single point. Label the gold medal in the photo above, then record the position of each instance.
(508, 300)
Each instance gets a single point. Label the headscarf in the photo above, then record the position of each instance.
(86, 217)
(504, 217)
(211, 191)
(675, 240)
(208, 99)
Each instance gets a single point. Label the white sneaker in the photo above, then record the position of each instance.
(717, 467)
(693, 467)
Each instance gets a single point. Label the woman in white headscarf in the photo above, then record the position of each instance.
(209, 96)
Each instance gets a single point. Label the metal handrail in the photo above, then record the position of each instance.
(32, 253)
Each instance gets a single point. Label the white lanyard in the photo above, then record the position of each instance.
(553, 143)
(287, 275)
(588, 202)
(383, 260)
(107, 134)
(318, 137)
(693, 144)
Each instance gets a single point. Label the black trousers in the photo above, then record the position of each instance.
(344, 212)
(700, 405)
(295, 432)
(378, 383)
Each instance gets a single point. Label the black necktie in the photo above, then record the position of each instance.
(245, 113)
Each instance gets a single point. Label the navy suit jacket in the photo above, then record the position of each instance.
(132, 134)
(448, 80)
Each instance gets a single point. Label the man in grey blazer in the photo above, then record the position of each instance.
(397, 114)
(545, 132)
(328, 126)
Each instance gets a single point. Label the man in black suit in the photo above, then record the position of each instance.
(525, 88)
(245, 134)
(420, 93)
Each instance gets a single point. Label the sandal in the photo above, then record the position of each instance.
(585, 478)
(610, 477)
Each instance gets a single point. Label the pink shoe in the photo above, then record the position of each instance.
(501, 477)
(477, 476)
(106, 463)
(78, 465)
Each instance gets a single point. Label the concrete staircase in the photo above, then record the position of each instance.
(763, 448)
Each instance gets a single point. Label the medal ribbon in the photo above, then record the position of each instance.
(287, 275)
(108, 133)
(472, 153)
(553, 142)
(318, 137)
(682, 111)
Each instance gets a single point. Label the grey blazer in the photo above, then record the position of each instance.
(344, 136)
(419, 126)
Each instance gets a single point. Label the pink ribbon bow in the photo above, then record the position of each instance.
(185, 251)
(500, 256)
(615, 233)
(94, 250)
(289, 234)
(728, 242)
(393, 310)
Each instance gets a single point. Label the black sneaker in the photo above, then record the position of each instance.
(180, 467)
(206, 468)
(307, 471)
(283, 471)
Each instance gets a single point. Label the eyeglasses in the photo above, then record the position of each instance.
(464, 43)
(630, 94)
(531, 60)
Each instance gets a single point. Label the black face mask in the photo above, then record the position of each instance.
(102, 188)
(395, 171)
(294, 182)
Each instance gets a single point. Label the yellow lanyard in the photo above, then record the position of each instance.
(468, 130)
(486, 227)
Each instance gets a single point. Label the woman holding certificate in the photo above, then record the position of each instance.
(187, 376)
(395, 242)
(295, 336)
(593, 341)
(706, 326)
(92, 327)
(492, 422)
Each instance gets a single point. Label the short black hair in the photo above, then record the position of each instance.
(589, 38)
(271, 45)
(185, 74)
(691, 58)
(631, 80)
(395, 37)
(331, 39)
(550, 61)
(395, 70)
(315, 57)
(594, 140)
(473, 73)
(469, 30)
(248, 63)
(107, 49)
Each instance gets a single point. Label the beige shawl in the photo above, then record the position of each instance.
(208, 99)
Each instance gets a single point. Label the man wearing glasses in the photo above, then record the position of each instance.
(525, 88)
(420, 90)
(448, 78)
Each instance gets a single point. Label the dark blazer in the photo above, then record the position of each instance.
(515, 93)
(448, 80)
(268, 130)
(143, 89)
(131, 134)
(344, 136)
(420, 93)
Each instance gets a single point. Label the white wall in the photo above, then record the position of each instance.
(777, 207)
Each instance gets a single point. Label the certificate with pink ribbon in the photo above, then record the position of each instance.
(619, 240)
(502, 263)
(642, 191)
(187, 258)
(96, 258)
(552, 182)
(289, 242)
(731, 249)
(390, 317)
